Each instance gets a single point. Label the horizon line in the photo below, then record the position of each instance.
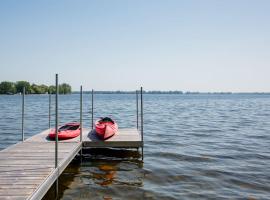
(169, 92)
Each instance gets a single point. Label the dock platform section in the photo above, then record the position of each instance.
(27, 169)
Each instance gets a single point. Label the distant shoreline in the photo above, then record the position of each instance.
(172, 92)
(159, 92)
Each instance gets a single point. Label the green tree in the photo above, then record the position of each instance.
(35, 89)
(7, 88)
(21, 84)
(51, 89)
(39, 89)
(12, 88)
(64, 88)
(44, 88)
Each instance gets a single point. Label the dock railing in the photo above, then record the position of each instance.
(57, 166)
(81, 107)
(92, 108)
(50, 102)
(142, 121)
(137, 110)
(57, 124)
(56, 130)
(140, 129)
(142, 113)
(23, 99)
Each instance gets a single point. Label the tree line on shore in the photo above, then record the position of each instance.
(7, 87)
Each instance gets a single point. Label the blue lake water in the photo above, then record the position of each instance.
(196, 146)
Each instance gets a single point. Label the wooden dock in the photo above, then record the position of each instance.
(27, 169)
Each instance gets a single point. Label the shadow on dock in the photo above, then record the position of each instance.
(92, 135)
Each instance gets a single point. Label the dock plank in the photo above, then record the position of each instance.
(27, 168)
(13, 197)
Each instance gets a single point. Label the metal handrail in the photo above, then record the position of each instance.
(56, 120)
(23, 99)
(92, 110)
(81, 100)
(137, 108)
(50, 102)
(142, 120)
(56, 130)
(142, 113)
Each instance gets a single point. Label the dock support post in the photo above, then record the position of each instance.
(92, 111)
(50, 102)
(81, 123)
(56, 131)
(142, 119)
(81, 114)
(137, 108)
(23, 94)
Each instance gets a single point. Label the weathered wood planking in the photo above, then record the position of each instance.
(27, 168)
(125, 138)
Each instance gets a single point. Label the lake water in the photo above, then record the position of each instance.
(196, 146)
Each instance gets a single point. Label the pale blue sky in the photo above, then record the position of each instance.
(123, 44)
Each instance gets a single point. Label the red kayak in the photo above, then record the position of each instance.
(68, 131)
(105, 128)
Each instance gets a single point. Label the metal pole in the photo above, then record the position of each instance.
(142, 113)
(92, 109)
(142, 118)
(56, 120)
(81, 115)
(56, 129)
(137, 108)
(23, 96)
(50, 102)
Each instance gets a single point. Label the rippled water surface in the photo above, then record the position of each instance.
(196, 146)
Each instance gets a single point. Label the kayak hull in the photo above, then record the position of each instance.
(105, 130)
(64, 134)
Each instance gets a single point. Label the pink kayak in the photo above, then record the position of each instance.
(67, 131)
(105, 128)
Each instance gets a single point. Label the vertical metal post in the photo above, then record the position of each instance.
(142, 119)
(56, 120)
(23, 96)
(81, 114)
(92, 112)
(137, 108)
(50, 102)
(56, 130)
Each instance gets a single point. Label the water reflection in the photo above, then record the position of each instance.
(214, 146)
(106, 174)
(65, 180)
(101, 174)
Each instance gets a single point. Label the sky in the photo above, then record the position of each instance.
(188, 45)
